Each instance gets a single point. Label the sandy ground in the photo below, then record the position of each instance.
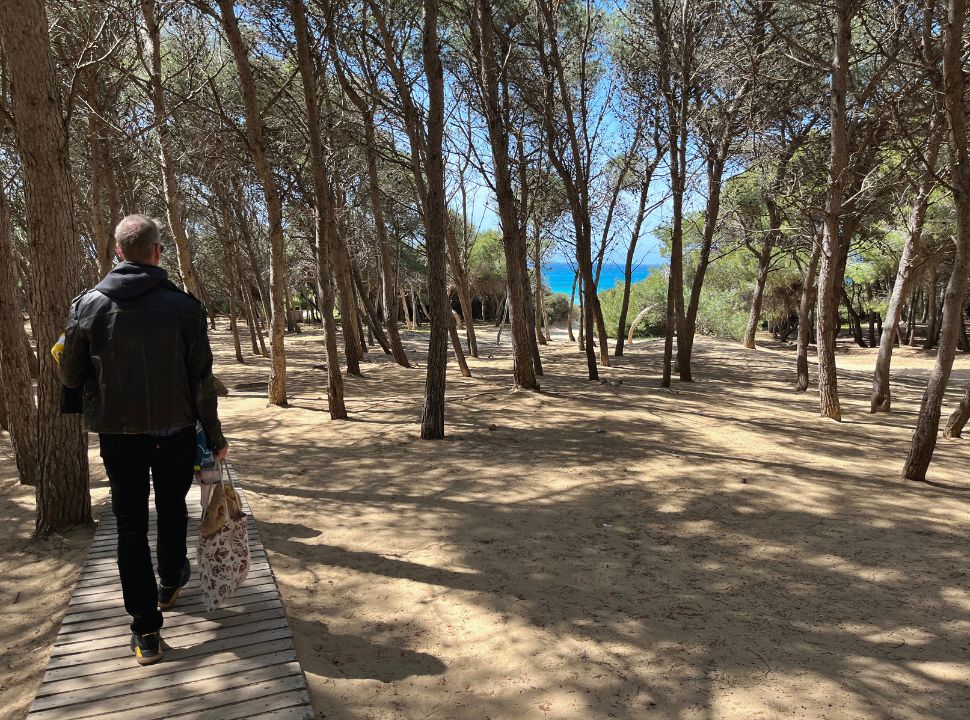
(596, 550)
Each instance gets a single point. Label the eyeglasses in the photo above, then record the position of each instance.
(161, 248)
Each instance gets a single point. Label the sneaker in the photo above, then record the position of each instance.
(168, 596)
(147, 647)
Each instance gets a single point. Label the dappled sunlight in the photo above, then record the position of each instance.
(599, 550)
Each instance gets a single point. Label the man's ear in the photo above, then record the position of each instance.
(118, 253)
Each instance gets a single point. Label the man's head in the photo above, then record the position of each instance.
(139, 240)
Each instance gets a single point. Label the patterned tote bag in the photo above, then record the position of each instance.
(223, 556)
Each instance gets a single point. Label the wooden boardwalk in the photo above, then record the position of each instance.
(235, 662)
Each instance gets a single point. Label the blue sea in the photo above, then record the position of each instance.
(558, 276)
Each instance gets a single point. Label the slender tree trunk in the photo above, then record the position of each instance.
(274, 209)
(436, 216)
(387, 274)
(829, 276)
(513, 238)
(103, 232)
(173, 199)
(17, 388)
(370, 314)
(931, 306)
(456, 346)
(805, 307)
(628, 267)
(569, 313)
(754, 317)
(537, 263)
(62, 493)
(335, 385)
(881, 400)
(927, 424)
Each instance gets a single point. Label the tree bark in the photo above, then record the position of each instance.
(829, 276)
(927, 424)
(764, 263)
(62, 493)
(436, 215)
(18, 390)
(274, 208)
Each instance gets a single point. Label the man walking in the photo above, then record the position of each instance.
(137, 346)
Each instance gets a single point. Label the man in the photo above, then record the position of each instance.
(137, 346)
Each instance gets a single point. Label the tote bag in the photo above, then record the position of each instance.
(223, 555)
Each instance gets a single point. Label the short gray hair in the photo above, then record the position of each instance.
(135, 235)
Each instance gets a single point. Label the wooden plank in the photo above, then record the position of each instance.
(230, 607)
(285, 706)
(131, 673)
(235, 662)
(90, 693)
(90, 643)
(151, 702)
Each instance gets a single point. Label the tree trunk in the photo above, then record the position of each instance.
(881, 400)
(954, 426)
(274, 209)
(103, 230)
(829, 276)
(370, 313)
(18, 390)
(931, 306)
(513, 237)
(805, 307)
(855, 322)
(62, 493)
(173, 199)
(569, 313)
(436, 215)
(927, 424)
(628, 267)
(537, 263)
(754, 316)
(456, 346)
(322, 250)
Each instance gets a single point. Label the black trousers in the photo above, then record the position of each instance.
(127, 460)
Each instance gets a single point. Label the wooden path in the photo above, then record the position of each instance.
(235, 662)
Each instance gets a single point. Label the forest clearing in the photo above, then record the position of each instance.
(597, 550)
(578, 359)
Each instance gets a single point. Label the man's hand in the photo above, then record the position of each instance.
(222, 452)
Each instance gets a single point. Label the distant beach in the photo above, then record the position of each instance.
(558, 276)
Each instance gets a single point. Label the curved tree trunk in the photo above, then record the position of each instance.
(62, 493)
(274, 209)
(927, 424)
(881, 400)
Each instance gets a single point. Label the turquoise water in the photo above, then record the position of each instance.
(558, 276)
